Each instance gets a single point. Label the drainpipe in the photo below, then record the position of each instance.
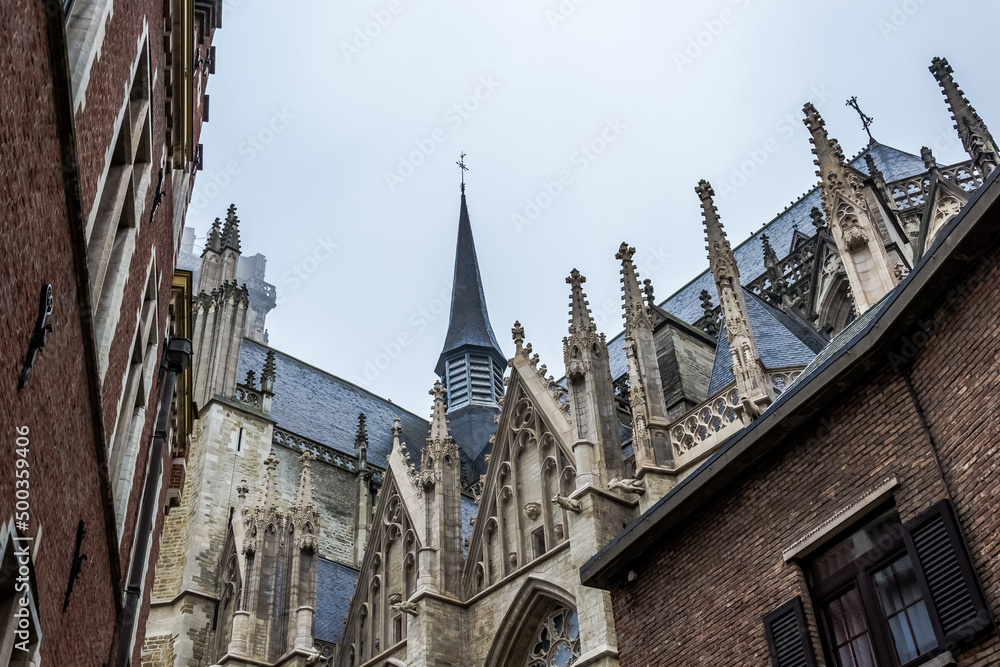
(176, 359)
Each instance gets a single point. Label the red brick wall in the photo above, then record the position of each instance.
(56, 404)
(700, 596)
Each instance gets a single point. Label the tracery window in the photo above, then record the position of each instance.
(557, 642)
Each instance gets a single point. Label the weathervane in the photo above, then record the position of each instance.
(461, 164)
(866, 121)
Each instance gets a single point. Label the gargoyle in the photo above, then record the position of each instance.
(636, 486)
(410, 608)
(567, 503)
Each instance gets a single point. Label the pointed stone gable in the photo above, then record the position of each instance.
(530, 464)
(851, 222)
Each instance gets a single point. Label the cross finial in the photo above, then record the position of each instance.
(866, 121)
(461, 165)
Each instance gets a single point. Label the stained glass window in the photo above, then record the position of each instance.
(557, 642)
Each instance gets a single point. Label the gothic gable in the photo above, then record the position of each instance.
(388, 576)
(530, 463)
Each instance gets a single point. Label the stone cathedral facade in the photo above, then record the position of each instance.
(321, 524)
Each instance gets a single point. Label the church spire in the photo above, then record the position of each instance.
(751, 381)
(304, 496)
(471, 365)
(976, 139)
(469, 323)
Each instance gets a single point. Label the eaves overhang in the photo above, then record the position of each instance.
(965, 239)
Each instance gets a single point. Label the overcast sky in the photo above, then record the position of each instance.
(335, 128)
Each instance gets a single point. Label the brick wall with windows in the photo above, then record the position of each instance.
(700, 596)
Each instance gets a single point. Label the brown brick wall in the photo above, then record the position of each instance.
(700, 596)
(56, 405)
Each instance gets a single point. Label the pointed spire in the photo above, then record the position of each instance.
(267, 491)
(816, 216)
(580, 319)
(850, 220)
(928, 157)
(304, 495)
(267, 375)
(397, 433)
(214, 241)
(708, 313)
(752, 382)
(976, 138)
(439, 423)
(361, 440)
(469, 322)
(636, 312)
(591, 393)
(775, 274)
(645, 384)
(231, 232)
(251, 379)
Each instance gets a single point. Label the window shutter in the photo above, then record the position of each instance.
(788, 637)
(957, 598)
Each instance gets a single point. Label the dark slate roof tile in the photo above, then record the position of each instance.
(334, 588)
(469, 511)
(778, 346)
(322, 407)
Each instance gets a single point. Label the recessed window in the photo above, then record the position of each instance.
(538, 541)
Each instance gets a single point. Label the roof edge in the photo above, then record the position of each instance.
(945, 263)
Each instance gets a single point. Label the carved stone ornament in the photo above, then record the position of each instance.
(636, 486)
(558, 530)
(395, 598)
(533, 510)
(512, 559)
(410, 608)
(566, 503)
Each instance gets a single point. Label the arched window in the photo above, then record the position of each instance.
(557, 641)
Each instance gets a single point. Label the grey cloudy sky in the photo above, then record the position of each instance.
(340, 124)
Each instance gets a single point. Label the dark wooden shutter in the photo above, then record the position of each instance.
(788, 637)
(956, 596)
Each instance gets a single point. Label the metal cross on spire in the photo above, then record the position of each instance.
(866, 121)
(461, 164)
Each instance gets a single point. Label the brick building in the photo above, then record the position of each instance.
(854, 521)
(102, 110)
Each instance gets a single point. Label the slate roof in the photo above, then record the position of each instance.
(468, 323)
(317, 405)
(779, 341)
(334, 588)
(469, 510)
(685, 303)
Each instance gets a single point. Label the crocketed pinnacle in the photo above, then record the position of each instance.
(439, 423)
(214, 241)
(580, 319)
(231, 230)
